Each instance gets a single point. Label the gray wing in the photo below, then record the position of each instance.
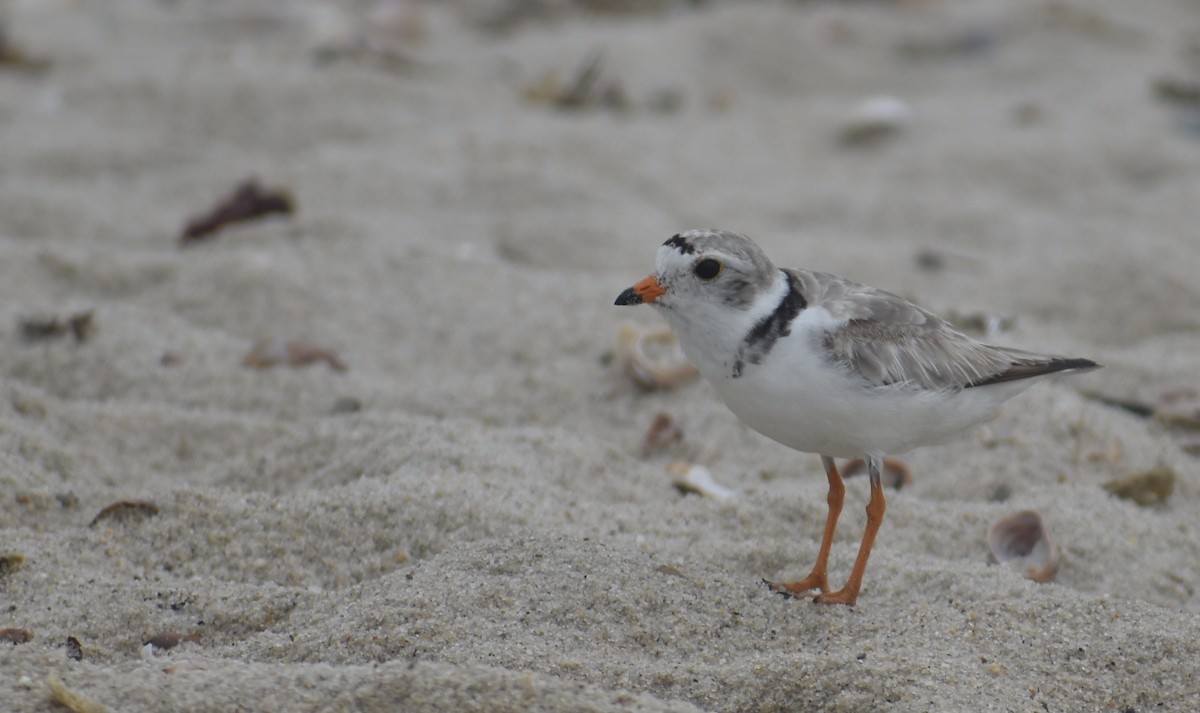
(885, 339)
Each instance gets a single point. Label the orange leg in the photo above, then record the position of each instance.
(818, 579)
(848, 594)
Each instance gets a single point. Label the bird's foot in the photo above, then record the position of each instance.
(795, 590)
(841, 596)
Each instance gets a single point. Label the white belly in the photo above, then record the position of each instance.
(795, 398)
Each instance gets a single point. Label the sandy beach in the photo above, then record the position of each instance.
(377, 451)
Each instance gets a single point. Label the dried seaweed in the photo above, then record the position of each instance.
(248, 201)
(10, 562)
(80, 325)
(1150, 487)
(585, 90)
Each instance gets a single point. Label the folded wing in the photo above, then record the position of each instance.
(887, 340)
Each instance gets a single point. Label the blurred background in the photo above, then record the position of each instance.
(329, 285)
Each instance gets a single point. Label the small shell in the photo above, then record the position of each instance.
(267, 353)
(663, 432)
(652, 357)
(1179, 407)
(15, 636)
(694, 478)
(979, 323)
(1022, 539)
(874, 119)
(126, 510)
(896, 474)
(165, 640)
(396, 24)
(961, 43)
(1147, 488)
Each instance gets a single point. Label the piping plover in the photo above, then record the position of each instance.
(829, 366)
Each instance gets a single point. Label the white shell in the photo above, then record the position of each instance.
(875, 118)
(695, 478)
(652, 357)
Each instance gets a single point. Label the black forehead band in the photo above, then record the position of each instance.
(681, 244)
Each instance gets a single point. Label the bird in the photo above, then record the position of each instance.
(826, 365)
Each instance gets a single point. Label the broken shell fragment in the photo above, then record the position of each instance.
(1022, 540)
(1147, 488)
(652, 357)
(696, 479)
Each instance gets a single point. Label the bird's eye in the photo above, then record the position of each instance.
(707, 269)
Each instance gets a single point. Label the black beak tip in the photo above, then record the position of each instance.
(628, 297)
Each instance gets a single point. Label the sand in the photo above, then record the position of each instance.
(462, 519)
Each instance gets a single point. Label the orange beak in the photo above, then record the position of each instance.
(646, 291)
